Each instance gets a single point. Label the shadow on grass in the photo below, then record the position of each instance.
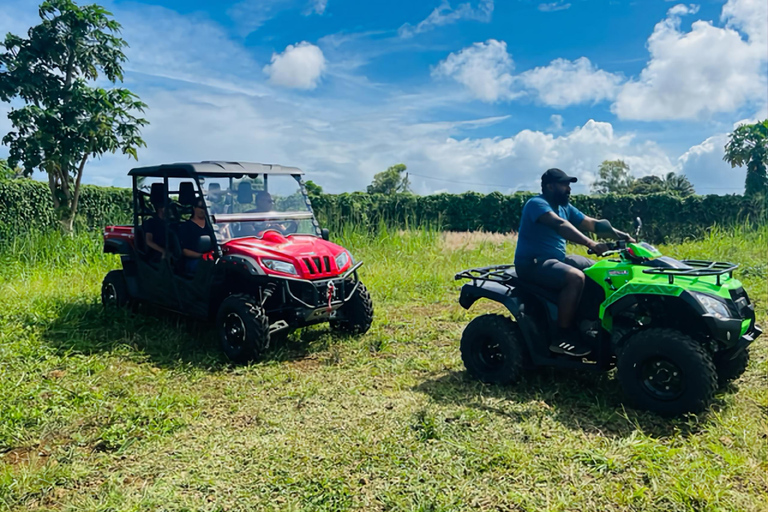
(587, 401)
(164, 338)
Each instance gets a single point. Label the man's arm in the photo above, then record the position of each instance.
(604, 229)
(569, 232)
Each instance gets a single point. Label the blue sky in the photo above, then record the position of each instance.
(478, 95)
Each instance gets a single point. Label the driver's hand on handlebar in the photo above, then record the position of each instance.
(598, 248)
(620, 235)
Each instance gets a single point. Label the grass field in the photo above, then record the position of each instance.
(143, 413)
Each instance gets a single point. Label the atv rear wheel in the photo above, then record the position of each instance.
(114, 291)
(492, 349)
(731, 369)
(356, 316)
(667, 372)
(243, 328)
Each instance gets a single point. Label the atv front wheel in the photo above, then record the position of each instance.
(114, 291)
(243, 328)
(356, 316)
(731, 369)
(667, 372)
(492, 349)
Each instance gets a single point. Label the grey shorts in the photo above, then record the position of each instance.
(551, 273)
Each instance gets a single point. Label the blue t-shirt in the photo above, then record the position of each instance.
(535, 240)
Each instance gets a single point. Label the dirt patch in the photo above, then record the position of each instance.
(469, 240)
(30, 457)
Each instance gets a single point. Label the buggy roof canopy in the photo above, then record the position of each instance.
(189, 169)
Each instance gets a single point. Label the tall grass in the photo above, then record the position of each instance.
(127, 412)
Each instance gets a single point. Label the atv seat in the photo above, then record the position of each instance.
(549, 294)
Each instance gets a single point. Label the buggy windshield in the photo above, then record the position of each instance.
(249, 204)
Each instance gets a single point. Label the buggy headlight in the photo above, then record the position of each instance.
(342, 259)
(713, 305)
(279, 266)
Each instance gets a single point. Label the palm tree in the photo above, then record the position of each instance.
(678, 184)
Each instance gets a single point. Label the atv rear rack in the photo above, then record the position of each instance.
(700, 268)
(496, 273)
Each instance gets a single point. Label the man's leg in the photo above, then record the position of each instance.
(561, 276)
(570, 296)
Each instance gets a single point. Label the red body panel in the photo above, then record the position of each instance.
(313, 257)
(124, 233)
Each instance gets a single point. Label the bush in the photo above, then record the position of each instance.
(25, 205)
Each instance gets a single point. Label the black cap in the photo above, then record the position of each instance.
(556, 176)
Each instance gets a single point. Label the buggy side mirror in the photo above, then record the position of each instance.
(325, 234)
(204, 244)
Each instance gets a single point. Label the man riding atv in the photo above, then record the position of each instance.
(547, 221)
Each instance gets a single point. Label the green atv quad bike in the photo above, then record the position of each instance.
(676, 330)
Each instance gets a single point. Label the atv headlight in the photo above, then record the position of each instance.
(713, 305)
(342, 259)
(279, 266)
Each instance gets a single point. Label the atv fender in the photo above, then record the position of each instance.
(246, 263)
(509, 296)
(471, 293)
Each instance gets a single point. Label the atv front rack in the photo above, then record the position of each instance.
(700, 268)
(497, 273)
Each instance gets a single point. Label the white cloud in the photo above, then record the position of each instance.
(316, 6)
(446, 15)
(249, 15)
(708, 70)
(750, 17)
(298, 67)
(565, 82)
(483, 68)
(705, 168)
(559, 5)
(557, 122)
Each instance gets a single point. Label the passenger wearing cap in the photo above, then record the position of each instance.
(547, 221)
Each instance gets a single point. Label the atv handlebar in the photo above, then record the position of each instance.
(613, 248)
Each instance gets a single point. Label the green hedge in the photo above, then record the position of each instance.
(26, 205)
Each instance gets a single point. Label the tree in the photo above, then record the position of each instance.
(65, 119)
(8, 173)
(613, 178)
(678, 184)
(313, 188)
(647, 185)
(390, 181)
(748, 144)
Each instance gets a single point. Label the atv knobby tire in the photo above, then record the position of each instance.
(493, 350)
(243, 328)
(356, 316)
(114, 291)
(731, 369)
(667, 372)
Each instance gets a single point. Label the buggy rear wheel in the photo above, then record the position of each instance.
(114, 291)
(667, 372)
(492, 349)
(243, 328)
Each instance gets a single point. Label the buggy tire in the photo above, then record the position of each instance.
(243, 328)
(731, 369)
(666, 372)
(114, 291)
(356, 316)
(493, 350)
